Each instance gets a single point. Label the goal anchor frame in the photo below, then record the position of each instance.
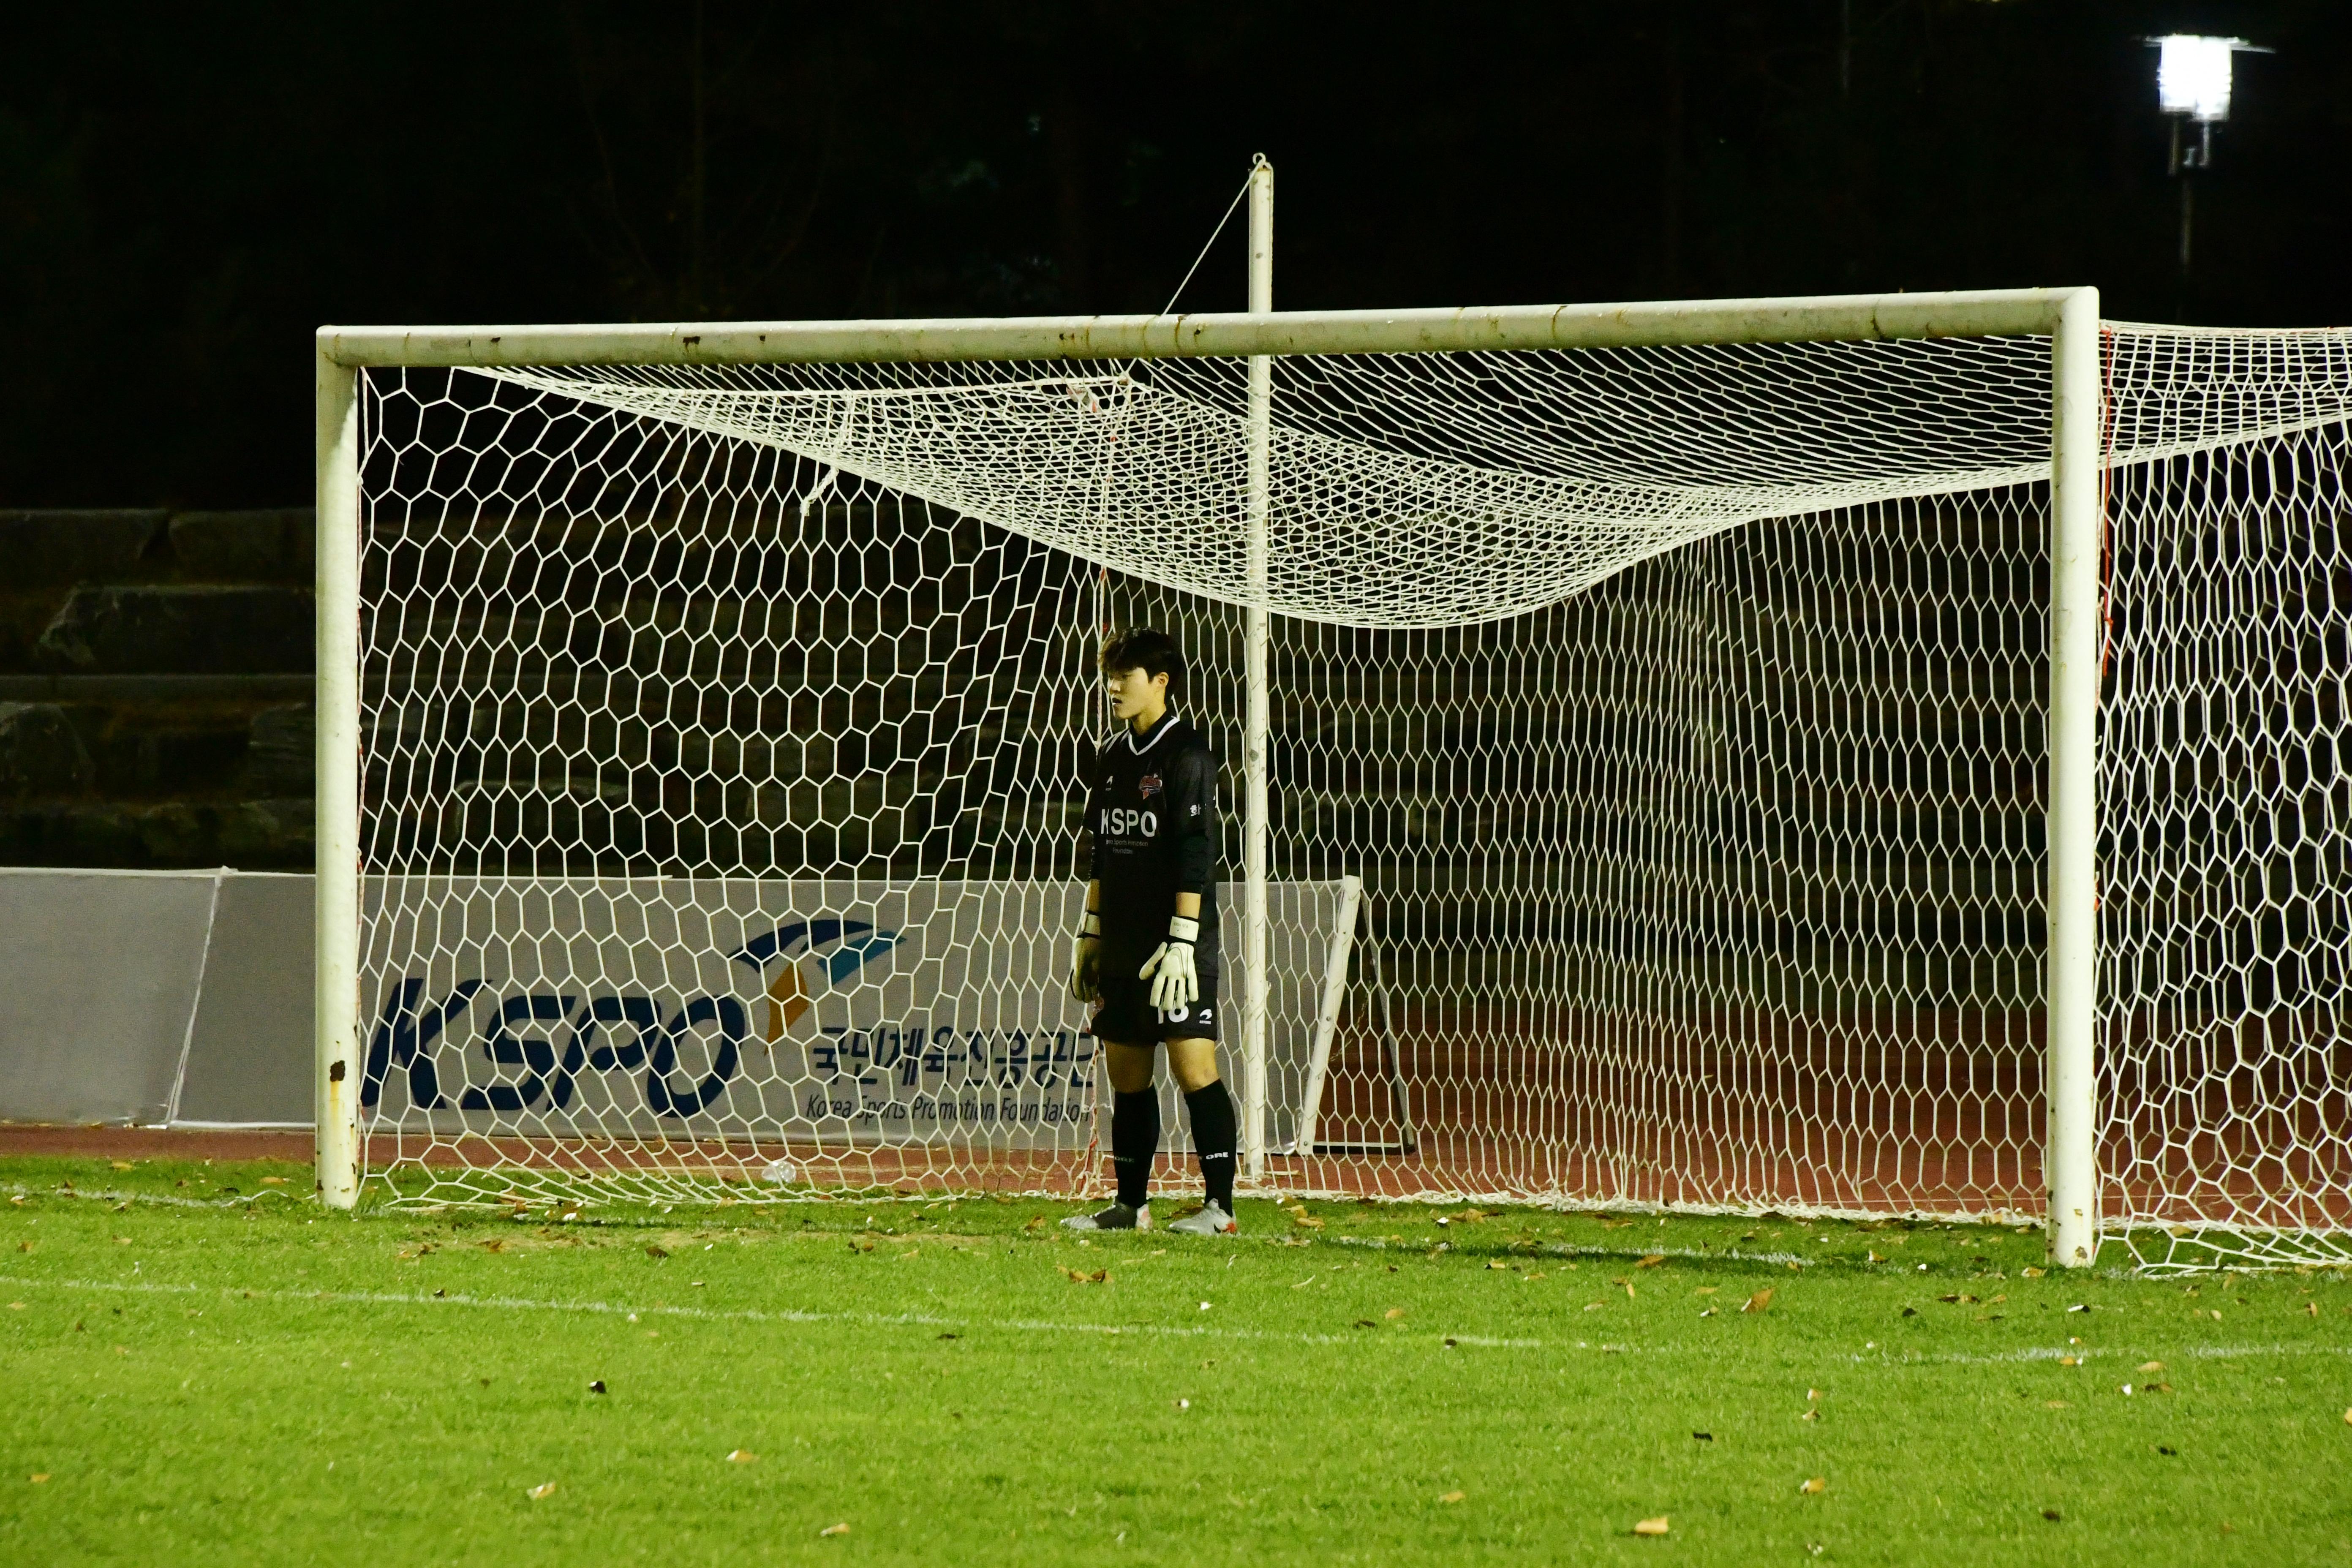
(2068, 317)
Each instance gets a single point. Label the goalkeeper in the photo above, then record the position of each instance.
(1146, 954)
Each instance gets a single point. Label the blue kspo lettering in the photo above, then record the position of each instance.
(609, 1034)
(604, 1033)
(405, 1037)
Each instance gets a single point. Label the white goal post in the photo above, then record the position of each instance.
(2068, 318)
(1868, 756)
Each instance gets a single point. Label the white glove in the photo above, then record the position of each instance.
(1086, 958)
(1175, 982)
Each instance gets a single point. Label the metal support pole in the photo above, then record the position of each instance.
(1327, 1016)
(1255, 723)
(335, 1011)
(2076, 431)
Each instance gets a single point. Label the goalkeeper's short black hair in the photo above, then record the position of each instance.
(1144, 648)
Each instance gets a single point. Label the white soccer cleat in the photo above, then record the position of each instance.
(1118, 1216)
(1213, 1220)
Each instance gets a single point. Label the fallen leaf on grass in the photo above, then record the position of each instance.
(122, 1164)
(544, 1489)
(1037, 1223)
(1652, 1262)
(950, 1336)
(39, 1479)
(834, 1530)
(1657, 1526)
(1080, 1277)
(265, 1181)
(1394, 1313)
(741, 1457)
(2056, 1405)
(1760, 1301)
(656, 1252)
(1366, 1323)
(1816, 1484)
(2150, 1366)
(597, 1386)
(1705, 1290)
(1451, 1497)
(2069, 1361)
(2311, 1309)
(2031, 1273)
(2052, 1515)
(1497, 1263)
(2348, 1418)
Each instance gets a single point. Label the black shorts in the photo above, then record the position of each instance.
(1124, 1014)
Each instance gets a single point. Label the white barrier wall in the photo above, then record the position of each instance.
(154, 997)
(886, 1012)
(891, 1012)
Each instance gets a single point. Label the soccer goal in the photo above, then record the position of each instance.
(1861, 756)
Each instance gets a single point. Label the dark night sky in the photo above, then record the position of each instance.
(186, 192)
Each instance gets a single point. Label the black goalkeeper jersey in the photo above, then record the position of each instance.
(1151, 804)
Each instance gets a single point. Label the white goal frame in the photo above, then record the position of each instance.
(2068, 317)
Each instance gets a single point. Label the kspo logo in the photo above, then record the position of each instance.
(554, 1038)
(1119, 821)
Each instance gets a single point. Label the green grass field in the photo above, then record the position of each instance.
(200, 1366)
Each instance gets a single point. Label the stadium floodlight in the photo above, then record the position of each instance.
(2192, 88)
(1689, 778)
(2192, 74)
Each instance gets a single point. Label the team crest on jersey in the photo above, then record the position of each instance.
(1149, 784)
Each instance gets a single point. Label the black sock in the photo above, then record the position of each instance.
(1134, 1142)
(1214, 1133)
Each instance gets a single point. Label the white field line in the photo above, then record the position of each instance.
(1567, 1249)
(1112, 1330)
(1373, 1242)
(105, 1195)
(701, 1314)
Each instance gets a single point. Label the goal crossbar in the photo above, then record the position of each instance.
(2068, 317)
(1848, 317)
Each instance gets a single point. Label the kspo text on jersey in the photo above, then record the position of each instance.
(1152, 809)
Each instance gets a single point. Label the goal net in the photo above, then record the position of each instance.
(1657, 763)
